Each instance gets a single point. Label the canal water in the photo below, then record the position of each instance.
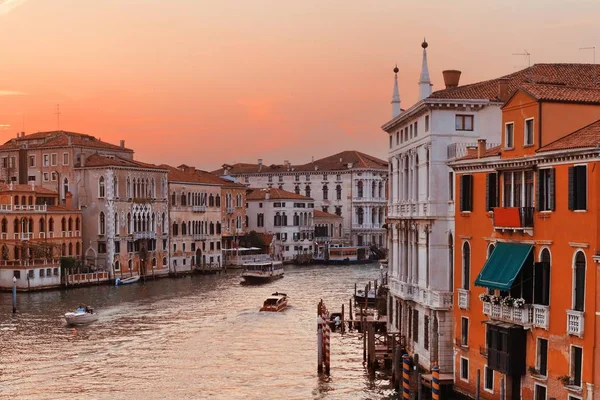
(198, 337)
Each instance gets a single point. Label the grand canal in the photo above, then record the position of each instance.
(188, 338)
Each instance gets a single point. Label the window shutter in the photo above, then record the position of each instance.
(470, 192)
(494, 189)
(539, 192)
(571, 188)
(581, 188)
(550, 190)
(487, 192)
(462, 191)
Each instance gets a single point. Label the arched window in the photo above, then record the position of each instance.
(359, 189)
(466, 267)
(541, 289)
(128, 188)
(307, 191)
(183, 228)
(115, 186)
(117, 265)
(218, 228)
(77, 224)
(297, 189)
(164, 223)
(101, 189)
(16, 201)
(490, 249)
(30, 225)
(130, 264)
(284, 220)
(380, 189)
(42, 225)
(102, 223)
(63, 224)
(360, 215)
(183, 199)
(296, 219)
(338, 192)
(70, 249)
(63, 250)
(129, 227)
(211, 200)
(77, 248)
(70, 224)
(51, 225)
(175, 228)
(325, 192)
(5, 225)
(277, 219)
(212, 228)
(173, 199)
(218, 201)
(579, 282)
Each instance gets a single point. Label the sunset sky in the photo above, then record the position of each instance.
(207, 82)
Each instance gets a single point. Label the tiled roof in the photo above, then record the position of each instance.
(562, 93)
(192, 175)
(491, 152)
(98, 160)
(61, 208)
(336, 162)
(588, 136)
(323, 214)
(577, 75)
(275, 194)
(5, 187)
(60, 139)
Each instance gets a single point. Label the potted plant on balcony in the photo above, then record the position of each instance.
(484, 297)
(495, 299)
(507, 301)
(533, 371)
(519, 303)
(565, 380)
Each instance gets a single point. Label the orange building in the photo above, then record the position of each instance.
(527, 238)
(35, 233)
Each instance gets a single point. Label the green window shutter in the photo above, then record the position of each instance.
(550, 189)
(462, 191)
(487, 192)
(571, 188)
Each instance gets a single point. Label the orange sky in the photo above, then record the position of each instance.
(206, 82)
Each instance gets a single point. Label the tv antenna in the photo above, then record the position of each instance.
(526, 54)
(58, 117)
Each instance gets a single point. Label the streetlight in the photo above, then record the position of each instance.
(14, 294)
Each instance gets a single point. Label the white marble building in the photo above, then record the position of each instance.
(350, 184)
(285, 215)
(421, 140)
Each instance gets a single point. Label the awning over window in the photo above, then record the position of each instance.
(503, 266)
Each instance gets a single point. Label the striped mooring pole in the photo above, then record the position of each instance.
(435, 383)
(405, 377)
(327, 342)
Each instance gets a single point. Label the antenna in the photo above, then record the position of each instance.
(593, 49)
(526, 54)
(58, 117)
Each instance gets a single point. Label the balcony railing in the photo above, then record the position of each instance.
(521, 316)
(200, 236)
(541, 316)
(28, 208)
(575, 322)
(144, 235)
(367, 226)
(198, 208)
(463, 299)
(23, 236)
(431, 298)
(230, 210)
(513, 217)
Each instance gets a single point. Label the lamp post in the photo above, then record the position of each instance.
(14, 294)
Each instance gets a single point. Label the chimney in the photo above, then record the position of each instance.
(481, 147)
(69, 200)
(33, 186)
(451, 78)
(82, 162)
(11, 187)
(503, 89)
(122, 144)
(349, 165)
(259, 164)
(287, 164)
(267, 194)
(472, 151)
(70, 140)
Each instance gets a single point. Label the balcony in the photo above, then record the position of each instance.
(24, 208)
(514, 218)
(199, 209)
(463, 299)
(24, 236)
(541, 316)
(520, 316)
(230, 210)
(239, 231)
(365, 199)
(144, 235)
(575, 322)
(367, 226)
(200, 236)
(434, 299)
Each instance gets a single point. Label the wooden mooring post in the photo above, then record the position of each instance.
(319, 338)
(351, 323)
(343, 325)
(323, 339)
(435, 383)
(405, 377)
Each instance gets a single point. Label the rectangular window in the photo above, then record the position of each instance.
(464, 122)
(390, 141)
(31, 178)
(528, 134)
(17, 274)
(488, 379)
(415, 326)
(53, 176)
(545, 200)
(507, 180)
(464, 369)
(540, 392)
(30, 274)
(426, 332)
(65, 160)
(46, 176)
(576, 365)
(542, 356)
(46, 160)
(411, 131)
(416, 129)
(464, 331)
(427, 123)
(451, 186)
(55, 272)
(54, 159)
(578, 187)
(509, 135)
(32, 161)
(270, 178)
(466, 193)
(117, 247)
(42, 273)
(491, 191)
(101, 247)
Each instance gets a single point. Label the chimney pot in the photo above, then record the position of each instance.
(472, 151)
(481, 146)
(451, 78)
(503, 89)
(122, 144)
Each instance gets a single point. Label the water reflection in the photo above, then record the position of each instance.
(188, 338)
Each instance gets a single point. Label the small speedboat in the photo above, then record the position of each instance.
(82, 316)
(275, 303)
(126, 281)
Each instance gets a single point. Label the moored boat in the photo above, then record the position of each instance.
(275, 302)
(126, 281)
(82, 316)
(370, 298)
(262, 271)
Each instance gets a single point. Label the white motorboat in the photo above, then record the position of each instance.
(126, 281)
(262, 271)
(275, 303)
(82, 316)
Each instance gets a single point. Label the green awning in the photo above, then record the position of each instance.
(503, 265)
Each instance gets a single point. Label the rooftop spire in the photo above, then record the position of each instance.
(395, 95)
(424, 81)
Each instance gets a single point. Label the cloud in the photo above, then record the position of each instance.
(7, 6)
(11, 92)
